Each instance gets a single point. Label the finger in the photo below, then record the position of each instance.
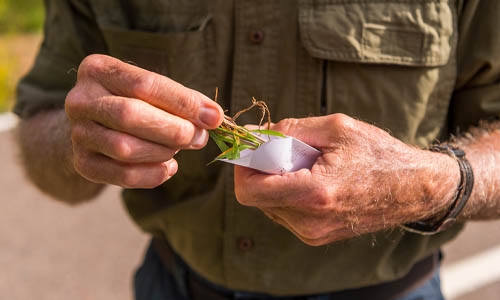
(312, 236)
(133, 82)
(309, 226)
(101, 169)
(144, 121)
(259, 127)
(283, 222)
(252, 127)
(271, 215)
(117, 145)
(321, 132)
(253, 188)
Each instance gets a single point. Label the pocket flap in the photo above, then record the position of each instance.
(418, 33)
(186, 57)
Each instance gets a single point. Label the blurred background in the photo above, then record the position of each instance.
(51, 251)
(20, 28)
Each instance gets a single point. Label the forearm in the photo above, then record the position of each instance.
(482, 148)
(46, 153)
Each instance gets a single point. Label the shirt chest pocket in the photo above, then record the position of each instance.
(185, 56)
(387, 62)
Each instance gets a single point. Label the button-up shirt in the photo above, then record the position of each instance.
(421, 69)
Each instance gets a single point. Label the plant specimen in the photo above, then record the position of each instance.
(232, 138)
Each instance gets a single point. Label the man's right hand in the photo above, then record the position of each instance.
(127, 123)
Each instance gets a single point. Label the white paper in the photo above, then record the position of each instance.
(278, 155)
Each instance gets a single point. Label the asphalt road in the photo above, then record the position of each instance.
(49, 250)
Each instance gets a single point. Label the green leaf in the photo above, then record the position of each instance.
(244, 147)
(236, 148)
(269, 132)
(232, 138)
(226, 154)
(218, 140)
(223, 155)
(230, 153)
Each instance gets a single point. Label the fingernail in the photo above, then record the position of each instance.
(172, 168)
(200, 138)
(209, 116)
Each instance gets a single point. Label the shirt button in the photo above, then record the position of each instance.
(256, 36)
(244, 243)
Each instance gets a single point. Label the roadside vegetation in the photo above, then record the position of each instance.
(20, 28)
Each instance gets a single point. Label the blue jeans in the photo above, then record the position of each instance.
(153, 282)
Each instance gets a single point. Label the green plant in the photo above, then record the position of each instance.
(232, 138)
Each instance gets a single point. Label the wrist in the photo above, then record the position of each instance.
(47, 155)
(443, 219)
(444, 182)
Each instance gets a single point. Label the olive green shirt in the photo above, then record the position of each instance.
(421, 69)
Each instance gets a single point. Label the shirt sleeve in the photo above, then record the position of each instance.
(70, 34)
(477, 93)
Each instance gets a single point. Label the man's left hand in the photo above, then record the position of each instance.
(364, 181)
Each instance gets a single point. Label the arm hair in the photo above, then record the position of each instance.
(46, 154)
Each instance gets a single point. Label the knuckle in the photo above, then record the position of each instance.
(146, 85)
(286, 125)
(321, 200)
(124, 112)
(129, 178)
(78, 133)
(124, 109)
(123, 150)
(340, 120)
(74, 103)
(93, 64)
(184, 134)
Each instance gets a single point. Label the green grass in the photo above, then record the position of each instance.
(21, 15)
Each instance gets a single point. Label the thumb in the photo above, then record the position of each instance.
(315, 131)
(258, 127)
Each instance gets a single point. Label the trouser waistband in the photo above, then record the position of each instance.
(198, 289)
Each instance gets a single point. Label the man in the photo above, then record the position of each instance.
(136, 116)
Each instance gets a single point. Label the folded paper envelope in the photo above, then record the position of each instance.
(278, 155)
